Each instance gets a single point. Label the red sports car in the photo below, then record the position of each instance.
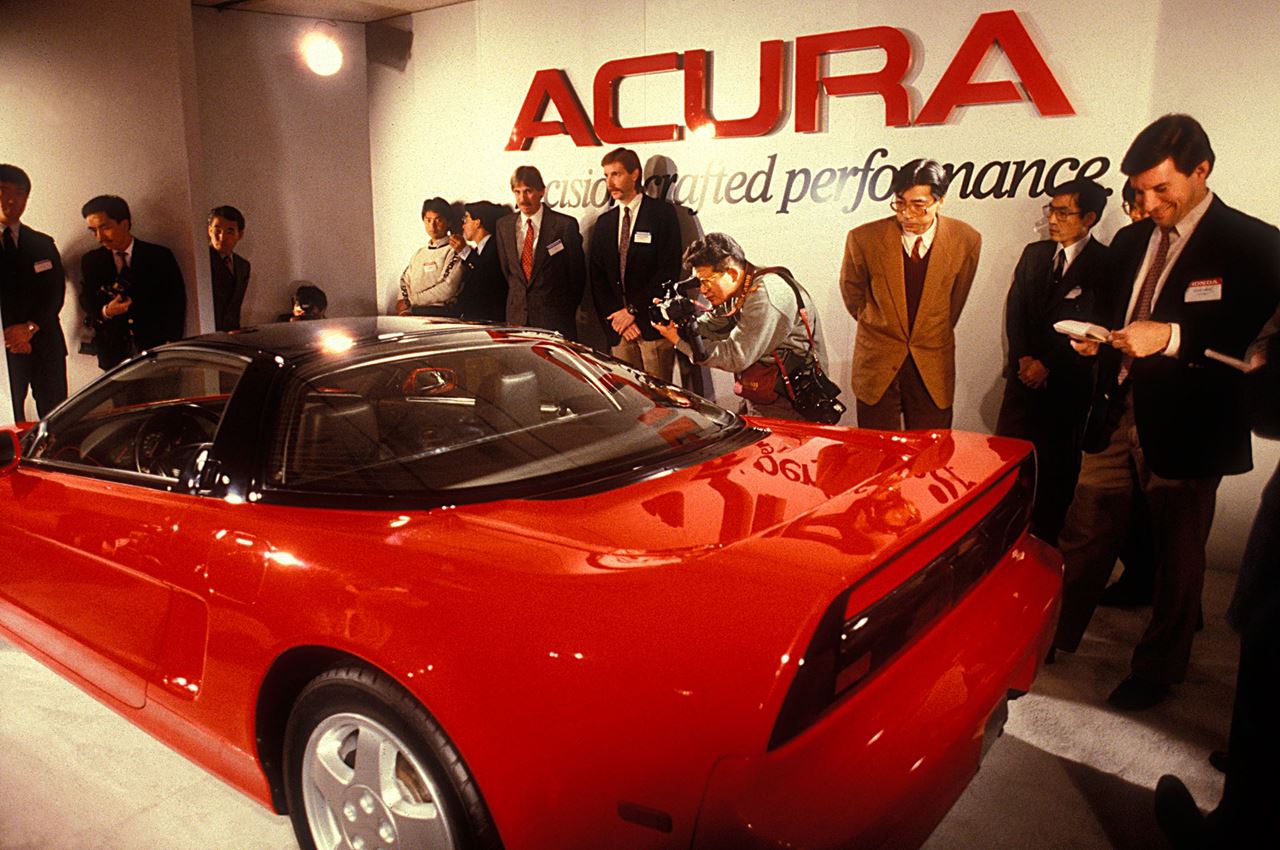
(422, 584)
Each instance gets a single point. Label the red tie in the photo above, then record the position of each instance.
(526, 254)
(1142, 309)
(624, 242)
(918, 251)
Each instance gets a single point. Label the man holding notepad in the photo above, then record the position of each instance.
(1196, 275)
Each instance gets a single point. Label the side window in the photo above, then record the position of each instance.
(150, 418)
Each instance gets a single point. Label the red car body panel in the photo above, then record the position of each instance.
(631, 647)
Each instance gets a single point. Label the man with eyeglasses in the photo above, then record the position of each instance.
(905, 280)
(1047, 384)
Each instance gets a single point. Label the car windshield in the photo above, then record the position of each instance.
(478, 415)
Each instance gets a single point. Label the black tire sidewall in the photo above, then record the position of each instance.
(385, 703)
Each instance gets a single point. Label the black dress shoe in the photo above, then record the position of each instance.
(1051, 656)
(1125, 594)
(1134, 694)
(1179, 818)
(1219, 759)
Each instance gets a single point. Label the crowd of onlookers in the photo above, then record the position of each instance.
(1137, 369)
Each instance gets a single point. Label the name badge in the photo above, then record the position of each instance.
(1073, 294)
(1203, 290)
(644, 237)
(42, 266)
(555, 248)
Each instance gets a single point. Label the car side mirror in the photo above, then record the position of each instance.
(10, 450)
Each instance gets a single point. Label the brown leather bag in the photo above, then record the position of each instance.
(758, 383)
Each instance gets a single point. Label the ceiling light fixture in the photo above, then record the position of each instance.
(321, 52)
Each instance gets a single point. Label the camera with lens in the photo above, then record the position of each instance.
(815, 396)
(673, 306)
(118, 288)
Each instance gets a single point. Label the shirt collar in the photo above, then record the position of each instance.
(1191, 220)
(536, 218)
(909, 239)
(633, 205)
(1072, 251)
(480, 245)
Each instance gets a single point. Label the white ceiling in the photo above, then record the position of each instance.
(353, 11)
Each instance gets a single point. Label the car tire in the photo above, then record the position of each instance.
(367, 767)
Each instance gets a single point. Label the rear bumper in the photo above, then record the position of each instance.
(885, 766)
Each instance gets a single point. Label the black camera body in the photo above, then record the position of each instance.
(815, 396)
(116, 288)
(673, 306)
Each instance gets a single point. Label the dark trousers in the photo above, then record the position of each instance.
(1249, 797)
(1051, 420)
(906, 401)
(45, 376)
(1095, 528)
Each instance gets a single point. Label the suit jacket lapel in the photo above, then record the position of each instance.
(939, 263)
(1175, 285)
(1069, 281)
(544, 238)
(895, 273)
(1129, 273)
(609, 226)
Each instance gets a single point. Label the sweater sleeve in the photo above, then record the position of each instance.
(763, 324)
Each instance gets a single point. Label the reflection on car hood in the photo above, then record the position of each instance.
(861, 493)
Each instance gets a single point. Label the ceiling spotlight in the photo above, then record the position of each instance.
(321, 53)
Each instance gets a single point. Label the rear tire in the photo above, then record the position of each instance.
(367, 768)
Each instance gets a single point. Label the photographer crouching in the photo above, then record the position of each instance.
(759, 328)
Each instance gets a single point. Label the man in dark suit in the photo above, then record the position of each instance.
(541, 255)
(1048, 384)
(635, 246)
(32, 289)
(132, 291)
(1194, 279)
(230, 271)
(484, 289)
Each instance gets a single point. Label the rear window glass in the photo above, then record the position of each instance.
(480, 415)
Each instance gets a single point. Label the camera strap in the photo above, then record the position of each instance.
(786, 275)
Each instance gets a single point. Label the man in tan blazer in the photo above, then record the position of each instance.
(905, 279)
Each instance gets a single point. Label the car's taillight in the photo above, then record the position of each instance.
(850, 645)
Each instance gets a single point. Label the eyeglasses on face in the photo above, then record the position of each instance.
(918, 207)
(1050, 211)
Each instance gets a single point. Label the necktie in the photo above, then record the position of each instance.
(1059, 266)
(9, 243)
(1142, 310)
(231, 264)
(624, 242)
(526, 253)
(917, 251)
(122, 262)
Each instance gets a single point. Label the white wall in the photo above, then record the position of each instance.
(128, 96)
(94, 102)
(439, 123)
(290, 150)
